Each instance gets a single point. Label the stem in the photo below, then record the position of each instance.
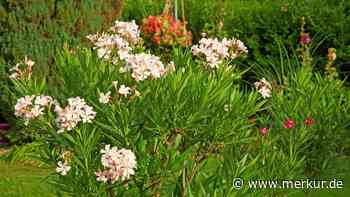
(167, 7)
(175, 10)
(184, 187)
(110, 192)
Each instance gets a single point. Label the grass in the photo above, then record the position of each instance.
(23, 180)
(18, 179)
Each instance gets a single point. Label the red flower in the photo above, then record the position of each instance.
(152, 24)
(308, 121)
(304, 39)
(170, 18)
(156, 40)
(263, 131)
(173, 27)
(289, 123)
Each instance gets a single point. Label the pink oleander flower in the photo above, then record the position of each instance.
(105, 97)
(144, 65)
(19, 73)
(28, 110)
(263, 131)
(76, 111)
(308, 121)
(124, 90)
(128, 30)
(62, 168)
(263, 87)
(288, 124)
(105, 44)
(43, 101)
(118, 43)
(119, 164)
(215, 51)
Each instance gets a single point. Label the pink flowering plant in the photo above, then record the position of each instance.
(306, 115)
(164, 30)
(135, 125)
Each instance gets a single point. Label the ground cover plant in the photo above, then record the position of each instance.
(165, 105)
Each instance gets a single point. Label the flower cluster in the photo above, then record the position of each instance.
(31, 107)
(166, 31)
(264, 88)
(106, 44)
(76, 111)
(18, 73)
(144, 65)
(119, 164)
(129, 31)
(117, 44)
(216, 51)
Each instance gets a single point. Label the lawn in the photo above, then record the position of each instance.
(18, 179)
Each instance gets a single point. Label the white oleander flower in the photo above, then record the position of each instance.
(76, 111)
(119, 164)
(17, 72)
(215, 51)
(62, 168)
(28, 62)
(144, 65)
(124, 90)
(105, 97)
(128, 30)
(26, 109)
(264, 88)
(43, 101)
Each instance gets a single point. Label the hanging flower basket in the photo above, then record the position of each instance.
(165, 30)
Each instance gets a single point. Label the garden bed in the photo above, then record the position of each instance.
(179, 102)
